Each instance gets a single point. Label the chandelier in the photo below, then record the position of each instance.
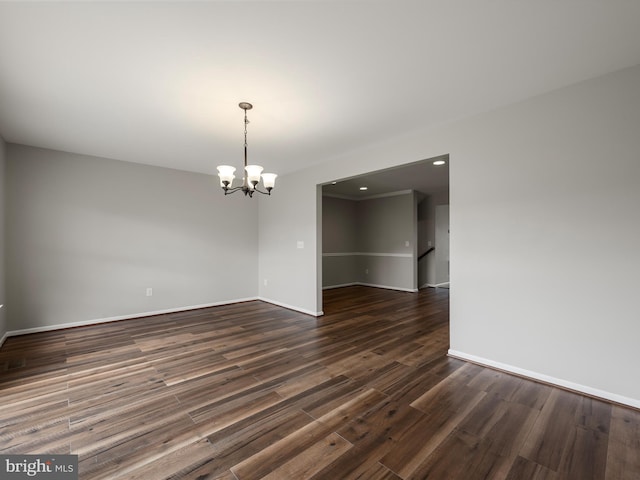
(252, 173)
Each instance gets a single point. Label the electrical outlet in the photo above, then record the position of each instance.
(149, 292)
(300, 244)
(266, 282)
(406, 244)
(366, 271)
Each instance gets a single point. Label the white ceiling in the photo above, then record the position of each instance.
(159, 82)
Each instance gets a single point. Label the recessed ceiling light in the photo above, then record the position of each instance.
(363, 188)
(439, 162)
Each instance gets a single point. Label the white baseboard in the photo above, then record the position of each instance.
(291, 307)
(96, 321)
(329, 287)
(592, 392)
(367, 254)
(388, 287)
(435, 285)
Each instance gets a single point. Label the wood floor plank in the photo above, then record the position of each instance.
(430, 431)
(623, 459)
(501, 425)
(37, 438)
(312, 460)
(240, 441)
(338, 396)
(134, 459)
(523, 468)
(227, 413)
(216, 386)
(553, 431)
(175, 461)
(126, 429)
(355, 464)
(461, 456)
(379, 429)
(303, 382)
(252, 390)
(281, 452)
(450, 394)
(586, 455)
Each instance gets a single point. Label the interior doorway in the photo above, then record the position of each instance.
(427, 181)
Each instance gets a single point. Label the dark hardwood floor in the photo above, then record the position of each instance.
(251, 390)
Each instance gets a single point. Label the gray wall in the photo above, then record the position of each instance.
(384, 225)
(3, 322)
(286, 219)
(364, 241)
(528, 182)
(442, 244)
(339, 225)
(339, 242)
(427, 236)
(86, 236)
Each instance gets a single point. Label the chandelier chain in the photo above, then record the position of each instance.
(246, 122)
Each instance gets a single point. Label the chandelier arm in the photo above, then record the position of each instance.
(229, 191)
(246, 191)
(268, 192)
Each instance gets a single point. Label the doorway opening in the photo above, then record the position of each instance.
(386, 229)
